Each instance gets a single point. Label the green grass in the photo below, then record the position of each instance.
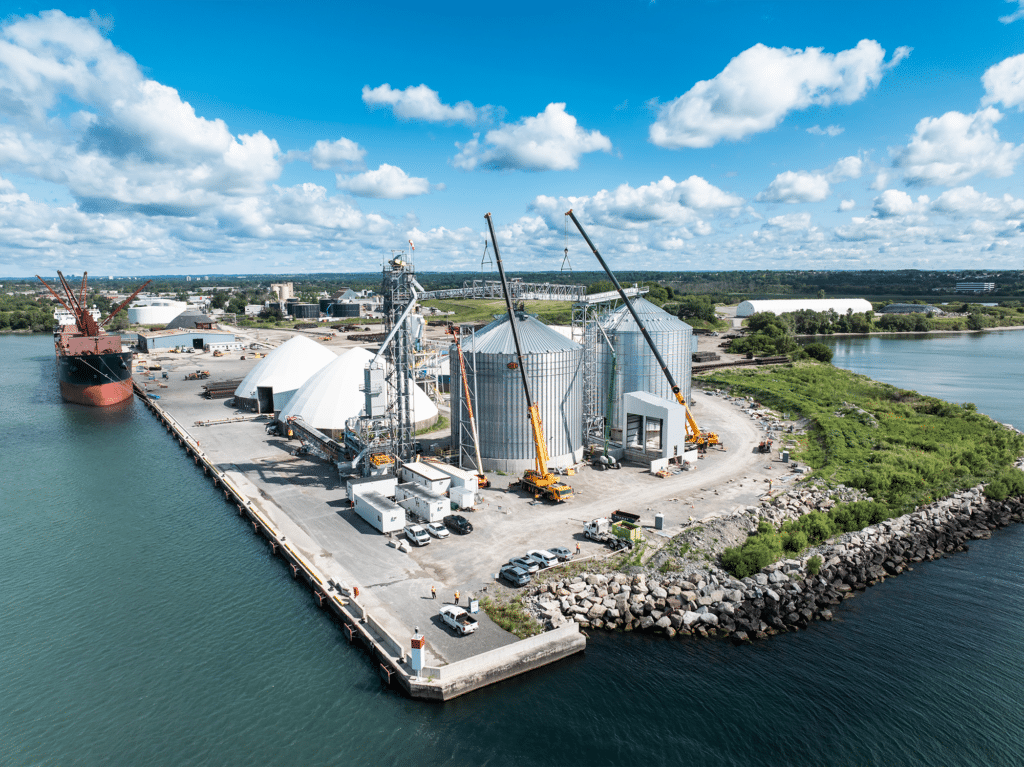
(441, 423)
(477, 310)
(512, 616)
(901, 447)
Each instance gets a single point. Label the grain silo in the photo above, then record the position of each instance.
(553, 366)
(636, 368)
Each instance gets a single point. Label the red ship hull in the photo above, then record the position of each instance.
(97, 395)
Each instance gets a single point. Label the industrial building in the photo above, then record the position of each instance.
(332, 395)
(655, 432)
(190, 319)
(786, 305)
(270, 385)
(553, 366)
(155, 340)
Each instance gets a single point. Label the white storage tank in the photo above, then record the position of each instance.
(553, 367)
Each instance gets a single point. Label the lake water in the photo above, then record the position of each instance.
(141, 623)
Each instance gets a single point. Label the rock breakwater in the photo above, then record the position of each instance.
(784, 596)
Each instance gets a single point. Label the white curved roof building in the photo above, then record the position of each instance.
(155, 312)
(781, 306)
(332, 396)
(281, 373)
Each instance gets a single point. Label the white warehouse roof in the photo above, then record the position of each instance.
(781, 306)
(331, 395)
(286, 368)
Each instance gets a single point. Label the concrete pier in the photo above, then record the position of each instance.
(364, 618)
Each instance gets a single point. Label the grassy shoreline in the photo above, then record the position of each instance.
(902, 448)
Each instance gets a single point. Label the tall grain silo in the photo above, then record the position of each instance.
(636, 368)
(553, 366)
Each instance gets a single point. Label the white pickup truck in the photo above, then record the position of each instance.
(458, 619)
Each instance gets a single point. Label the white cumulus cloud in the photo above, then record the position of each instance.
(966, 201)
(895, 202)
(802, 186)
(550, 141)
(1017, 14)
(950, 149)
(387, 182)
(761, 85)
(1005, 82)
(330, 154)
(845, 205)
(831, 130)
(418, 102)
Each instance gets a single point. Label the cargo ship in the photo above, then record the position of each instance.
(91, 368)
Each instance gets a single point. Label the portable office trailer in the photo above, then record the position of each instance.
(361, 485)
(380, 512)
(420, 502)
(460, 477)
(426, 475)
(463, 497)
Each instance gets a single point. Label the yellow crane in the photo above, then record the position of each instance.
(702, 439)
(539, 481)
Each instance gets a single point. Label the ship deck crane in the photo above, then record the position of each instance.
(703, 439)
(539, 481)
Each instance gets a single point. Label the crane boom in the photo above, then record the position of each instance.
(540, 481)
(697, 436)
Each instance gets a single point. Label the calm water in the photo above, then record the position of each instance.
(142, 623)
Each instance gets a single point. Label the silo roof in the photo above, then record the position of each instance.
(534, 335)
(656, 319)
(287, 367)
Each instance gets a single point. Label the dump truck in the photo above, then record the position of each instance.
(617, 535)
(458, 619)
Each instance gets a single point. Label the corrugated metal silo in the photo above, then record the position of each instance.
(636, 369)
(553, 366)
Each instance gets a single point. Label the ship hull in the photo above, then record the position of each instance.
(96, 380)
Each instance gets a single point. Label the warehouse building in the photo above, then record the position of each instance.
(786, 305)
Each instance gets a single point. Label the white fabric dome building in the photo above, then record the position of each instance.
(332, 396)
(274, 380)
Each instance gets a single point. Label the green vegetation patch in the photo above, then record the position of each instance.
(901, 447)
(511, 616)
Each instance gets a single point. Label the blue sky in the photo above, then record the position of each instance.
(245, 137)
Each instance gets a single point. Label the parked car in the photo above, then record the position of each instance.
(525, 563)
(517, 576)
(542, 557)
(563, 554)
(417, 535)
(458, 524)
(437, 530)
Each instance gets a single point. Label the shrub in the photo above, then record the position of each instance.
(814, 565)
(820, 352)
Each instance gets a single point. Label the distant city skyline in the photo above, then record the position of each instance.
(227, 139)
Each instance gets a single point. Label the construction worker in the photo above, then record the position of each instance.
(577, 548)
(456, 597)
(433, 592)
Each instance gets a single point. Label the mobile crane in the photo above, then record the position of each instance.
(702, 439)
(539, 481)
(453, 331)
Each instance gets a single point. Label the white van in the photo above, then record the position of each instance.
(542, 557)
(417, 535)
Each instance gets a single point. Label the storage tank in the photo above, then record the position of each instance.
(305, 311)
(155, 312)
(636, 368)
(325, 305)
(345, 310)
(554, 368)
